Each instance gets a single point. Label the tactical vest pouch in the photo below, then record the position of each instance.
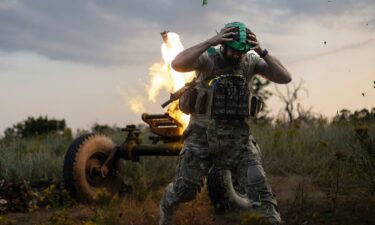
(256, 105)
(187, 101)
(202, 101)
(194, 100)
(230, 96)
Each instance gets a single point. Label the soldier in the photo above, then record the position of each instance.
(218, 133)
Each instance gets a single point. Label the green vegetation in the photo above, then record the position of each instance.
(323, 172)
(34, 158)
(36, 126)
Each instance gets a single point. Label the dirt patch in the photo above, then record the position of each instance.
(300, 202)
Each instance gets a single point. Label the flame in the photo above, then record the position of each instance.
(163, 77)
(170, 48)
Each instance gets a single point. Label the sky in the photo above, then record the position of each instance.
(83, 60)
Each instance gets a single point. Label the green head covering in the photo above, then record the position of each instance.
(239, 43)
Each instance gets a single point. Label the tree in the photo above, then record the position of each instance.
(103, 128)
(292, 106)
(358, 116)
(35, 126)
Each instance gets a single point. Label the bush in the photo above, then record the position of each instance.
(31, 127)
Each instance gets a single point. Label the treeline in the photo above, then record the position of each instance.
(363, 115)
(43, 125)
(35, 126)
(325, 171)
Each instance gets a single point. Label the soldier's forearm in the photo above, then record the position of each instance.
(275, 71)
(186, 60)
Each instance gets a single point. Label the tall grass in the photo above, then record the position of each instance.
(319, 152)
(323, 153)
(33, 159)
(336, 160)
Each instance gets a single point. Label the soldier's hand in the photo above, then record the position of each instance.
(252, 39)
(224, 35)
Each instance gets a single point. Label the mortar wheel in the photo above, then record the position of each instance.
(225, 193)
(81, 171)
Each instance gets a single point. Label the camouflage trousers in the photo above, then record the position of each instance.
(225, 145)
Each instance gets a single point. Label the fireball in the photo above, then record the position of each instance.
(163, 77)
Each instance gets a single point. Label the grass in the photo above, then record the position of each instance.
(33, 159)
(322, 173)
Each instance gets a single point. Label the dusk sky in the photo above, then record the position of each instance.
(83, 60)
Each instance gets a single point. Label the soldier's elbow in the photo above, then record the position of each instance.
(179, 66)
(282, 79)
(285, 77)
(174, 65)
(288, 79)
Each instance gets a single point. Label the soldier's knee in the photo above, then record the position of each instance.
(256, 175)
(185, 190)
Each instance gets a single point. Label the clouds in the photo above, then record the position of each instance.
(108, 32)
(68, 58)
(306, 8)
(97, 32)
(66, 30)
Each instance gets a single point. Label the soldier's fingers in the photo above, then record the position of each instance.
(252, 37)
(255, 47)
(250, 32)
(231, 28)
(228, 29)
(254, 43)
(226, 39)
(229, 34)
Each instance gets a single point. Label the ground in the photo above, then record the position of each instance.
(300, 202)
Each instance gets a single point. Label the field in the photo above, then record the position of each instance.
(321, 173)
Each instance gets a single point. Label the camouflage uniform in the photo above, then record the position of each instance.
(193, 166)
(233, 147)
(225, 144)
(237, 151)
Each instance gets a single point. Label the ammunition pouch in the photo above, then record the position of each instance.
(230, 97)
(195, 100)
(256, 105)
(187, 101)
